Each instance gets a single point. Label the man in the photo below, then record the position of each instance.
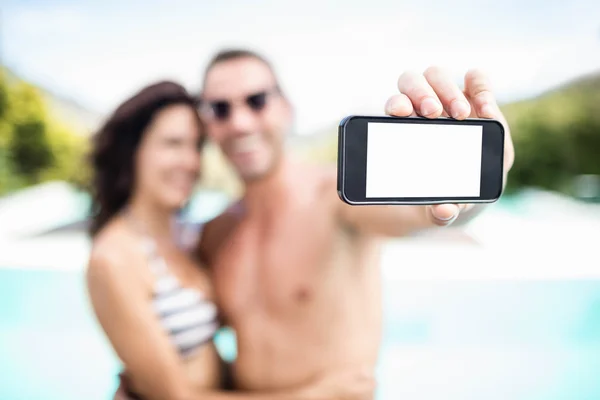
(296, 269)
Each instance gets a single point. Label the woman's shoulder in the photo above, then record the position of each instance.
(115, 254)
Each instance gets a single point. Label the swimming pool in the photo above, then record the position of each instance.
(509, 340)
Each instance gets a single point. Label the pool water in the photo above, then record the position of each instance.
(510, 340)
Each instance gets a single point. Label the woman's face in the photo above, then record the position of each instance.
(168, 159)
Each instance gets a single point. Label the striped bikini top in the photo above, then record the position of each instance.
(190, 319)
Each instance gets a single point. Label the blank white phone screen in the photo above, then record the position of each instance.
(423, 160)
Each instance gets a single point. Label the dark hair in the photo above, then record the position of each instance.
(235, 54)
(115, 145)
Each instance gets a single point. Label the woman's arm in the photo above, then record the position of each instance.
(120, 301)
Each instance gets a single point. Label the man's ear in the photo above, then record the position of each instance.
(290, 117)
(289, 110)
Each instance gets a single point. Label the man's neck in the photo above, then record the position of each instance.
(153, 220)
(272, 190)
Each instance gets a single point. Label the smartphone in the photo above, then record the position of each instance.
(386, 160)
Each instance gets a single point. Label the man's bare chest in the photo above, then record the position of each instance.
(276, 268)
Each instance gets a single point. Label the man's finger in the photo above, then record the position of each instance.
(466, 207)
(421, 94)
(443, 214)
(453, 100)
(479, 92)
(399, 105)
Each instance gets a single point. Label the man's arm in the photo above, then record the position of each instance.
(214, 234)
(432, 95)
(396, 221)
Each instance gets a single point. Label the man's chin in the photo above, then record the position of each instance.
(255, 175)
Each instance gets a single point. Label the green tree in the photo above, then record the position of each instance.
(556, 136)
(5, 129)
(7, 178)
(3, 95)
(69, 153)
(34, 146)
(541, 156)
(29, 145)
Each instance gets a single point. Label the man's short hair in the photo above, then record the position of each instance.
(235, 54)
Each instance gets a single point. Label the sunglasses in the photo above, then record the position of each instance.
(221, 109)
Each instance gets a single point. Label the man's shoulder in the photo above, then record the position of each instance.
(327, 182)
(321, 185)
(229, 217)
(216, 231)
(324, 176)
(327, 190)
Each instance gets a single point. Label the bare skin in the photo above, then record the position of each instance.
(119, 280)
(296, 271)
(121, 283)
(302, 305)
(121, 288)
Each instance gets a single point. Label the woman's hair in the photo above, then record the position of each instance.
(116, 143)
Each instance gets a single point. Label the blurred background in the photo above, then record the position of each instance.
(505, 308)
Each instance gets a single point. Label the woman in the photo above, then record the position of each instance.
(153, 300)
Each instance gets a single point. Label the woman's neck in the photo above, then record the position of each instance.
(155, 221)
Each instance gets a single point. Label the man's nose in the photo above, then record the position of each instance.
(242, 119)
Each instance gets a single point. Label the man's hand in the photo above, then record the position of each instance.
(434, 94)
(120, 394)
(342, 385)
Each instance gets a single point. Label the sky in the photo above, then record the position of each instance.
(333, 57)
